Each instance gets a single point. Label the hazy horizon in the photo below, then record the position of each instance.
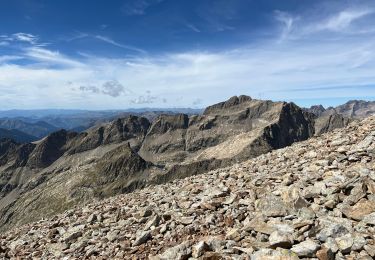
(123, 54)
(305, 103)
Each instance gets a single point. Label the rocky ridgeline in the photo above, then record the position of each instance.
(314, 199)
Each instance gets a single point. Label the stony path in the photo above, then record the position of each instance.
(315, 199)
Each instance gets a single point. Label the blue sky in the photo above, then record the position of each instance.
(173, 53)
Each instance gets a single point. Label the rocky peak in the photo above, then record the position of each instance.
(317, 110)
(50, 149)
(131, 128)
(231, 102)
(165, 123)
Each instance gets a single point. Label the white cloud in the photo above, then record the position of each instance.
(282, 71)
(51, 57)
(341, 21)
(312, 63)
(345, 19)
(25, 37)
(287, 21)
(7, 58)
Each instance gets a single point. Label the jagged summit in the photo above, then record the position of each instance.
(317, 110)
(231, 102)
(314, 199)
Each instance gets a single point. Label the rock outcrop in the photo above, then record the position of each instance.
(311, 200)
(327, 123)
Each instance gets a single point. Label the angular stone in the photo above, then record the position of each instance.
(73, 233)
(306, 248)
(142, 238)
(186, 220)
(92, 218)
(369, 219)
(271, 206)
(370, 249)
(233, 234)
(358, 242)
(359, 210)
(331, 245)
(259, 225)
(325, 254)
(270, 254)
(281, 239)
(112, 235)
(154, 221)
(199, 249)
(345, 243)
(179, 252)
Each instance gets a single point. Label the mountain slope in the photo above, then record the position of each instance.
(314, 199)
(66, 169)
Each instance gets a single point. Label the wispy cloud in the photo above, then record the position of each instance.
(25, 37)
(105, 39)
(21, 37)
(287, 21)
(192, 27)
(52, 57)
(124, 46)
(7, 58)
(138, 7)
(343, 19)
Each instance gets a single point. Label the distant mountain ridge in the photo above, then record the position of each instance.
(16, 135)
(356, 109)
(38, 129)
(40, 123)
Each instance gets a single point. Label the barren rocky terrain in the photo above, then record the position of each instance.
(313, 199)
(65, 169)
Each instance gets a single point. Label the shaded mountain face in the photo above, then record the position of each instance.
(37, 129)
(16, 135)
(67, 169)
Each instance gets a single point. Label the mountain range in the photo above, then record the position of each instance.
(311, 200)
(40, 123)
(68, 168)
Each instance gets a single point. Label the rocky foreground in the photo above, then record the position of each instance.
(314, 199)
